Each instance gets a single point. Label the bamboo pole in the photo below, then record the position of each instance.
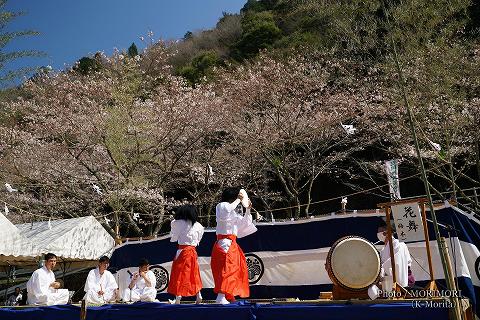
(456, 310)
(390, 246)
(411, 120)
(431, 285)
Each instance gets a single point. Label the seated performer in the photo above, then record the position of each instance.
(403, 261)
(101, 286)
(228, 263)
(185, 276)
(142, 285)
(42, 288)
(15, 298)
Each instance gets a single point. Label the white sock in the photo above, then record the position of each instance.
(221, 299)
(199, 298)
(178, 299)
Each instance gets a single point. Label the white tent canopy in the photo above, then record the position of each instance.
(15, 248)
(81, 241)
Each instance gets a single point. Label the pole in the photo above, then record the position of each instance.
(8, 281)
(411, 120)
(390, 246)
(427, 244)
(455, 300)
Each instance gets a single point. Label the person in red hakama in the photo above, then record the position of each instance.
(228, 263)
(185, 275)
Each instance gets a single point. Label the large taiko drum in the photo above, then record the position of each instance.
(353, 263)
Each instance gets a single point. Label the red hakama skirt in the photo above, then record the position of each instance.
(230, 272)
(185, 276)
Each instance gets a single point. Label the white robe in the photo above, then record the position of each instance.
(14, 300)
(184, 233)
(230, 222)
(97, 282)
(40, 292)
(140, 292)
(402, 261)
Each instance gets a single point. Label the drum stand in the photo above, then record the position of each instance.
(403, 292)
(431, 286)
(340, 293)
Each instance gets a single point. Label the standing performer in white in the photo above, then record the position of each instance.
(42, 287)
(228, 263)
(101, 286)
(142, 285)
(403, 261)
(185, 277)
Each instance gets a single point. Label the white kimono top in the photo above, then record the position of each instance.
(230, 222)
(39, 290)
(140, 292)
(140, 284)
(184, 233)
(402, 261)
(105, 282)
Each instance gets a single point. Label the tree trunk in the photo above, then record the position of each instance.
(296, 203)
(309, 196)
(160, 221)
(133, 224)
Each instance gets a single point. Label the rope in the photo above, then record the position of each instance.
(350, 194)
(262, 211)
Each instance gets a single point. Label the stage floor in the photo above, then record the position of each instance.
(242, 310)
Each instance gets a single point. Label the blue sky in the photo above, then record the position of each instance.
(73, 29)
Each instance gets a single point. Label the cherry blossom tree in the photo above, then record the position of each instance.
(112, 142)
(287, 121)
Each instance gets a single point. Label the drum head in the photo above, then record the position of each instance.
(354, 262)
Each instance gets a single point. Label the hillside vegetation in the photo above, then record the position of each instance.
(258, 101)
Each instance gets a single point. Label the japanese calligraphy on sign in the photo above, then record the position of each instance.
(409, 223)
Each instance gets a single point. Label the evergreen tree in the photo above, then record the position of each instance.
(6, 76)
(86, 65)
(200, 67)
(132, 50)
(188, 35)
(259, 31)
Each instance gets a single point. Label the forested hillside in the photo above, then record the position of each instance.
(298, 101)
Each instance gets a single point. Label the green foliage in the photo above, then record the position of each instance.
(259, 31)
(253, 5)
(132, 50)
(298, 40)
(86, 65)
(276, 161)
(258, 5)
(188, 35)
(351, 28)
(6, 77)
(200, 67)
(219, 40)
